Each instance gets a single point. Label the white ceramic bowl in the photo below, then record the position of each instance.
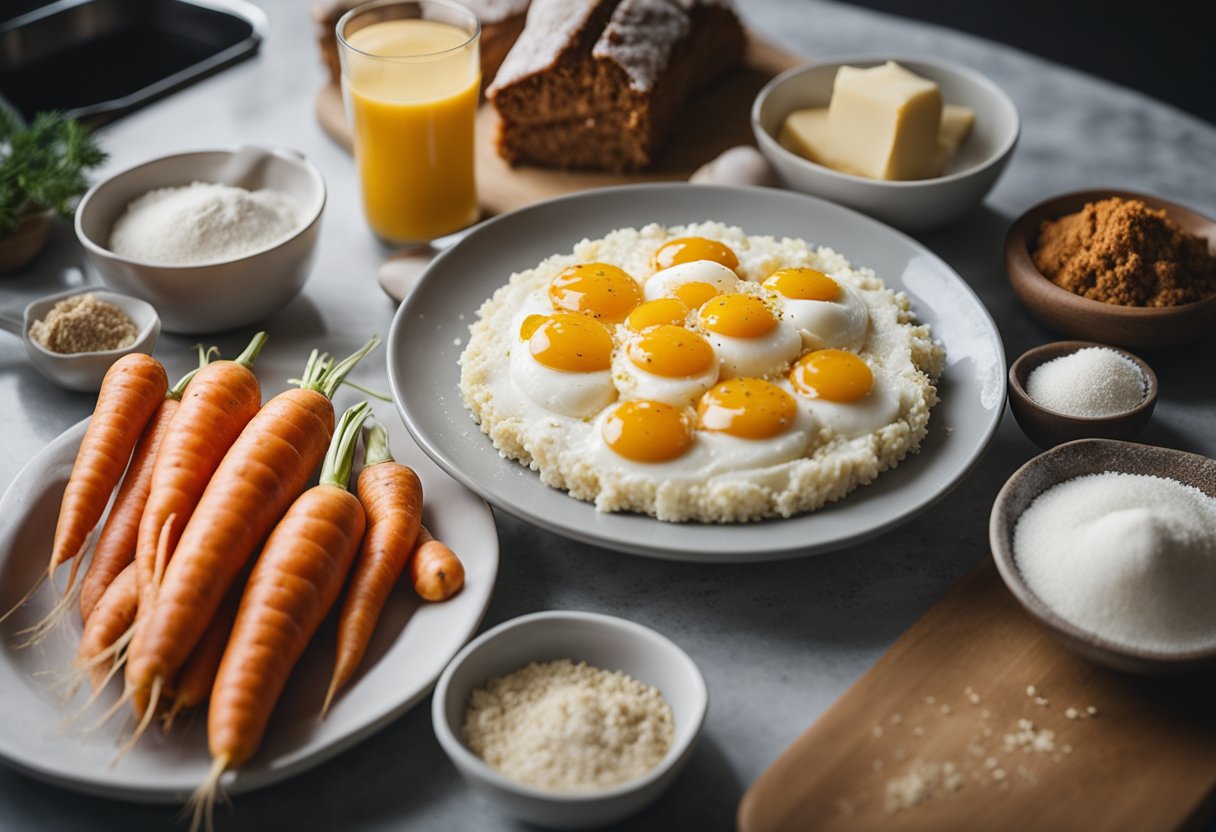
(912, 205)
(601, 641)
(84, 371)
(217, 296)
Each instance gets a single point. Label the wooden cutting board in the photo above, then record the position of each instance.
(718, 118)
(949, 691)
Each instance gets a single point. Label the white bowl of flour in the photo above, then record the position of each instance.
(580, 728)
(209, 256)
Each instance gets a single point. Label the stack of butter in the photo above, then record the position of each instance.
(883, 123)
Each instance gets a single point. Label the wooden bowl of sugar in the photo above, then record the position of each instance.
(1154, 590)
(1094, 320)
(1070, 390)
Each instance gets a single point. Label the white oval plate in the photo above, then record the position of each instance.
(412, 644)
(431, 328)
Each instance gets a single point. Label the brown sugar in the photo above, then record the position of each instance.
(1123, 252)
(84, 323)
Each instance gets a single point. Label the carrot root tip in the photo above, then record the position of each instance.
(51, 621)
(201, 806)
(24, 598)
(144, 722)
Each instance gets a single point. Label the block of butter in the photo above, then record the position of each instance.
(884, 123)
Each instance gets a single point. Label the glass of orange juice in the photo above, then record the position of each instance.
(410, 80)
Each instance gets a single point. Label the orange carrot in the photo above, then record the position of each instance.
(293, 585)
(435, 571)
(391, 495)
(193, 684)
(113, 614)
(220, 401)
(132, 389)
(116, 544)
(262, 473)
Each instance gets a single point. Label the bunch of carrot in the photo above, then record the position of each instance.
(174, 592)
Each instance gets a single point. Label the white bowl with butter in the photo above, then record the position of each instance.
(914, 204)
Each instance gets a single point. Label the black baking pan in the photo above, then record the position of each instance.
(98, 59)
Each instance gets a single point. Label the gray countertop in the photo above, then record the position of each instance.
(778, 643)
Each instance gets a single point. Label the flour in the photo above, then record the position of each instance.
(202, 223)
(1130, 558)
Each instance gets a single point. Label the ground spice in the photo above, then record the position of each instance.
(82, 323)
(1121, 251)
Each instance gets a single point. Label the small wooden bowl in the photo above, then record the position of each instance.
(1047, 428)
(1079, 317)
(1077, 459)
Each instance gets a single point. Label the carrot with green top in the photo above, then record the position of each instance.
(132, 389)
(263, 472)
(293, 586)
(115, 547)
(391, 495)
(221, 399)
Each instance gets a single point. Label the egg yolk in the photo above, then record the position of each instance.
(803, 284)
(737, 316)
(568, 342)
(749, 408)
(695, 293)
(597, 289)
(657, 312)
(688, 249)
(671, 352)
(835, 375)
(647, 431)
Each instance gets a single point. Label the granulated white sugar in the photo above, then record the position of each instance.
(1128, 557)
(202, 223)
(1090, 383)
(569, 727)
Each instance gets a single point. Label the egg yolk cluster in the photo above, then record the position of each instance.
(589, 298)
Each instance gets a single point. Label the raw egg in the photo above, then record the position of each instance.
(669, 364)
(826, 312)
(747, 336)
(694, 283)
(564, 363)
(748, 408)
(656, 313)
(600, 290)
(647, 431)
(688, 249)
(842, 393)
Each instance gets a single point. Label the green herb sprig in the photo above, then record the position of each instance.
(43, 165)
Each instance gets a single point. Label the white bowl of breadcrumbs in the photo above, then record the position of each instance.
(570, 720)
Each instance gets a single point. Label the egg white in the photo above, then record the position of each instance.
(663, 283)
(876, 409)
(756, 357)
(567, 393)
(843, 323)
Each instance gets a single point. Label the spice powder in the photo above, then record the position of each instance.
(1121, 251)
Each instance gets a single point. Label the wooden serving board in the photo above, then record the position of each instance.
(1145, 761)
(716, 119)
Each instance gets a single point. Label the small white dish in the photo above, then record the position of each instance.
(911, 205)
(601, 641)
(83, 371)
(218, 296)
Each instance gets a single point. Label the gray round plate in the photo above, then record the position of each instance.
(431, 328)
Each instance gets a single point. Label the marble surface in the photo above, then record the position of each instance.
(777, 643)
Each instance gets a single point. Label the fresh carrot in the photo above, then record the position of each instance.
(262, 473)
(116, 544)
(103, 633)
(219, 402)
(435, 571)
(391, 495)
(293, 585)
(132, 389)
(193, 684)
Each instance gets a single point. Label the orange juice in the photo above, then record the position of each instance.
(411, 92)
